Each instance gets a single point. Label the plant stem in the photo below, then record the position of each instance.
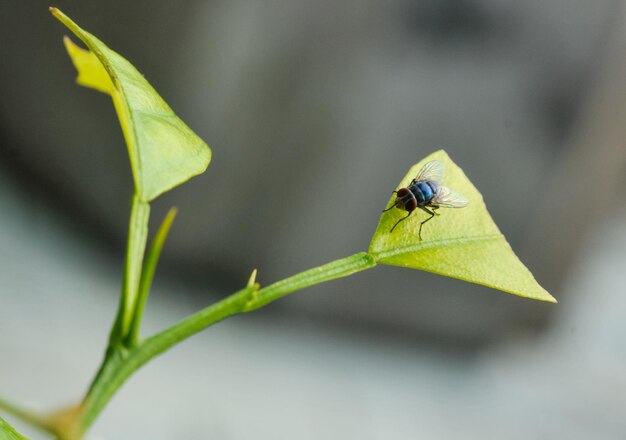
(137, 238)
(120, 362)
(147, 274)
(330, 271)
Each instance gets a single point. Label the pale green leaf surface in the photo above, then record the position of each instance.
(7, 432)
(462, 243)
(164, 152)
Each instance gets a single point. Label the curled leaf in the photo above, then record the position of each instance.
(164, 152)
(461, 243)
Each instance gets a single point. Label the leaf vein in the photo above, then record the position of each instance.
(448, 242)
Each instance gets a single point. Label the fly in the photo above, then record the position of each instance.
(427, 193)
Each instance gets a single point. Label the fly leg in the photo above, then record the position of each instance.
(432, 214)
(403, 218)
(392, 206)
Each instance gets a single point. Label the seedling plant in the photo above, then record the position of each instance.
(164, 153)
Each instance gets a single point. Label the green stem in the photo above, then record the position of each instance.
(147, 274)
(137, 238)
(120, 332)
(120, 363)
(330, 271)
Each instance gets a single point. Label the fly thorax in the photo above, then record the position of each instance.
(423, 192)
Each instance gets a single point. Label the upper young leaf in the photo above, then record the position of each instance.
(461, 243)
(163, 151)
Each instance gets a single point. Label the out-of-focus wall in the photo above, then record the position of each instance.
(314, 111)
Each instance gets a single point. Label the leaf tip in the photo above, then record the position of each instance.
(56, 12)
(68, 43)
(171, 214)
(252, 280)
(535, 292)
(542, 295)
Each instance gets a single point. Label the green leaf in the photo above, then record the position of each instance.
(164, 152)
(7, 432)
(462, 243)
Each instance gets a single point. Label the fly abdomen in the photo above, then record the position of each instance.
(424, 192)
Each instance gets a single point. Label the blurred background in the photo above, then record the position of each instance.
(314, 111)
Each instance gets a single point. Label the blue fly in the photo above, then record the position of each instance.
(427, 193)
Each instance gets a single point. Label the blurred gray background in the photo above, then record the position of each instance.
(314, 111)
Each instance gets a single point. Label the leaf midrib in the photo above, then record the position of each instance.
(448, 242)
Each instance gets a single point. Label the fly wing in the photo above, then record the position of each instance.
(447, 198)
(432, 172)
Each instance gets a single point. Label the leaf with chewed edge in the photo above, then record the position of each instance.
(164, 152)
(462, 243)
